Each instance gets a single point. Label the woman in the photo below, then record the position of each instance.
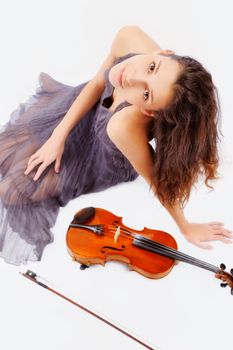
(74, 140)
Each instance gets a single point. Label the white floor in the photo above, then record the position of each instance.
(187, 310)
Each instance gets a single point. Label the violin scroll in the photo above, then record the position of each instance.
(226, 277)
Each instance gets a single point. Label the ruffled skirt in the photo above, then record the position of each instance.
(28, 208)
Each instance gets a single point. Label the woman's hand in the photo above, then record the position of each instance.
(198, 234)
(51, 151)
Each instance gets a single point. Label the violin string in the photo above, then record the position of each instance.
(172, 252)
(166, 252)
(182, 256)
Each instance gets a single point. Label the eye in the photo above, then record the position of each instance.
(152, 66)
(146, 93)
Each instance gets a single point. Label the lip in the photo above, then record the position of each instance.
(119, 78)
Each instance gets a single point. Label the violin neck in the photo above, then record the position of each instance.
(158, 248)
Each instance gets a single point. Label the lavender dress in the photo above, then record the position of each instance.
(90, 163)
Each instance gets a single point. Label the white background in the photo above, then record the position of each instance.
(187, 310)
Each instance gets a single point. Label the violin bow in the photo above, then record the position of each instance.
(32, 276)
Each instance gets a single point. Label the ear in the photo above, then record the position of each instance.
(148, 112)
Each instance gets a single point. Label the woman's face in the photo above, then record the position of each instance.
(146, 80)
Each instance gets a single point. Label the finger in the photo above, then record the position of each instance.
(216, 227)
(57, 165)
(221, 230)
(32, 166)
(220, 237)
(223, 239)
(40, 171)
(32, 158)
(229, 231)
(212, 223)
(226, 233)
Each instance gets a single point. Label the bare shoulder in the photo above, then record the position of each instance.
(132, 38)
(127, 130)
(128, 119)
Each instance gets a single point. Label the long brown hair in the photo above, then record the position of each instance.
(186, 134)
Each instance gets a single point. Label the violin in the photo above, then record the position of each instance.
(96, 235)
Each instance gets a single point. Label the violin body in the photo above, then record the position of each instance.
(96, 235)
(88, 247)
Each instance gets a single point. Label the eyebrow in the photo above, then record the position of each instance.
(155, 71)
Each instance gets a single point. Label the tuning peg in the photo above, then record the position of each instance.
(83, 267)
(223, 284)
(222, 266)
(231, 291)
(231, 272)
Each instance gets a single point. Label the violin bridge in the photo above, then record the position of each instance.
(117, 233)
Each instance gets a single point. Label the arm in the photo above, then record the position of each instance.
(53, 148)
(94, 88)
(129, 38)
(133, 143)
(85, 100)
(126, 131)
